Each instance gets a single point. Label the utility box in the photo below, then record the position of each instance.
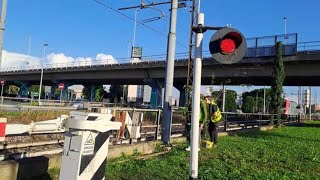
(86, 145)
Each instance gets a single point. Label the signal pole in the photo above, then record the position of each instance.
(2, 24)
(226, 46)
(196, 101)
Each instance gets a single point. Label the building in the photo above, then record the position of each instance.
(315, 108)
(75, 94)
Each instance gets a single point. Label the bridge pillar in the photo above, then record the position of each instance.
(157, 92)
(182, 97)
(92, 89)
(92, 92)
(65, 91)
(53, 94)
(24, 88)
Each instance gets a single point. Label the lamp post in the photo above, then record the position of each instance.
(285, 29)
(134, 31)
(41, 77)
(285, 25)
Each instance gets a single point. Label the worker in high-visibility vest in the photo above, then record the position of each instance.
(202, 119)
(214, 117)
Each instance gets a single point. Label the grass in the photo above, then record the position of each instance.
(54, 173)
(284, 153)
(25, 117)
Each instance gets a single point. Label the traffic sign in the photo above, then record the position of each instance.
(61, 86)
(33, 94)
(2, 82)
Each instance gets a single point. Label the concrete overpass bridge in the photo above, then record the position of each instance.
(302, 68)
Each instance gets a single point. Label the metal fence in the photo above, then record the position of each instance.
(265, 46)
(309, 47)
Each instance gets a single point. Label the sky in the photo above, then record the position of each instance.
(84, 30)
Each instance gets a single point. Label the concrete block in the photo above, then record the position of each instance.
(33, 168)
(143, 148)
(266, 128)
(8, 170)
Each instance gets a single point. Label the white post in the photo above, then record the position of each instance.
(223, 97)
(41, 77)
(60, 96)
(264, 100)
(2, 93)
(2, 25)
(196, 102)
(310, 103)
(29, 49)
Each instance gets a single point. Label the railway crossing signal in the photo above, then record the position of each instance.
(228, 46)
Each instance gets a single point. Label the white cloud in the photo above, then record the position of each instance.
(105, 59)
(61, 60)
(16, 61)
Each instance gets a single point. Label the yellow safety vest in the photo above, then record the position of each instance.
(215, 118)
(203, 111)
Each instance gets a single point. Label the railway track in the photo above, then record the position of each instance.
(22, 146)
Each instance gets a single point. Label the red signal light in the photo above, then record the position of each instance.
(227, 46)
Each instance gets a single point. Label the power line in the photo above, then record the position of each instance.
(164, 35)
(128, 17)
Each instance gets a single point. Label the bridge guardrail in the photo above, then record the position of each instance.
(308, 47)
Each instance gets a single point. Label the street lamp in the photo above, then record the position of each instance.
(285, 25)
(134, 30)
(44, 57)
(285, 29)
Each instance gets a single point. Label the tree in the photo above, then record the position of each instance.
(35, 89)
(248, 104)
(230, 99)
(11, 89)
(115, 92)
(57, 92)
(258, 95)
(278, 76)
(231, 104)
(99, 94)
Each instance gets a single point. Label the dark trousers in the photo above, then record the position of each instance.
(213, 131)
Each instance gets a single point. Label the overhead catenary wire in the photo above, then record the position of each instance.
(165, 19)
(132, 19)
